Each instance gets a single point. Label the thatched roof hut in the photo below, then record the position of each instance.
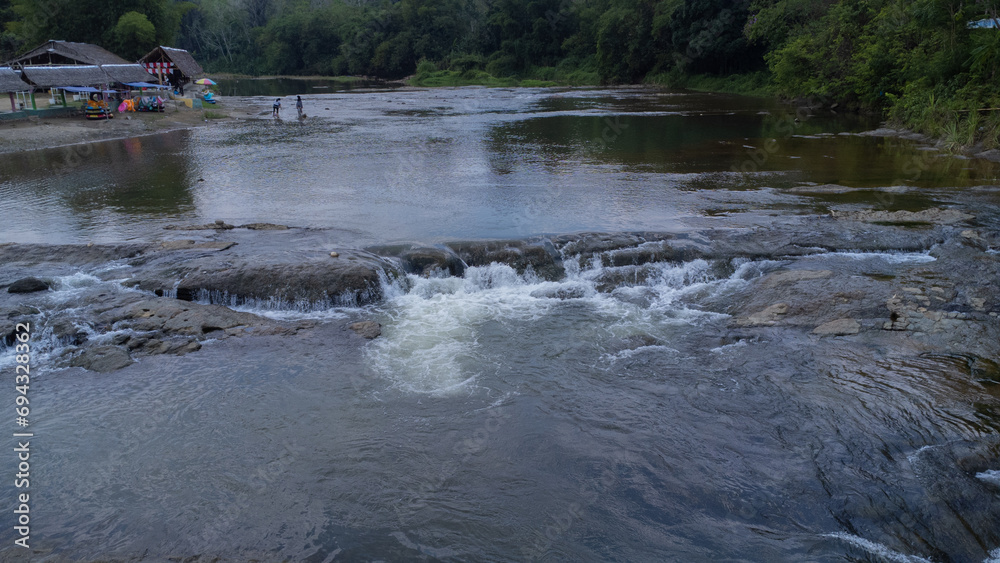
(163, 60)
(127, 73)
(61, 53)
(70, 75)
(10, 81)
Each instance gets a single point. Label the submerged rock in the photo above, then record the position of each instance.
(188, 244)
(27, 285)
(367, 329)
(103, 359)
(934, 215)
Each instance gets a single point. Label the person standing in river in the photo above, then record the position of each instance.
(298, 106)
(276, 108)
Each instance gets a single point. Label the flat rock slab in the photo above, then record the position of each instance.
(839, 327)
(934, 215)
(793, 276)
(767, 317)
(176, 317)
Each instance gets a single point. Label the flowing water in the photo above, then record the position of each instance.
(503, 416)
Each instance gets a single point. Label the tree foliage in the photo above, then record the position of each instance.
(900, 57)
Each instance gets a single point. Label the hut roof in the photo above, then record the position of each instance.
(10, 81)
(68, 53)
(69, 75)
(127, 73)
(181, 59)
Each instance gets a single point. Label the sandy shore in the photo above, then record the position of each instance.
(48, 132)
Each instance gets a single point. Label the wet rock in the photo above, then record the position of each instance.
(354, 279)
(767, 317)
(839, 327)
(27, 285)
(793, 276)
(71, 254)
(103, 359)
(68, 332)
(426, 260)
(216, 226)
(195, 245)
(821, 189)
(621, 249)
(367, 329)
(174, 317)
(264, 227)
(934, 215)
(540, 256)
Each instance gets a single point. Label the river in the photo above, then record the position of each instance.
(504, 414)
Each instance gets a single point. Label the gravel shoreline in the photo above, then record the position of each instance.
(37, 133)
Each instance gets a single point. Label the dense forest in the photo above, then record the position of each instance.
(916, 61)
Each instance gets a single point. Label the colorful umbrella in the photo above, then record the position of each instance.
(205, 82)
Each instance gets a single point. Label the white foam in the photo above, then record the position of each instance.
(632, 352)
(994, 556)
(889, 257)
(991, 476)
(430, 340)
(729, 347)
(877, 549)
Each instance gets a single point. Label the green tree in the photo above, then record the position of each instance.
(133, 36)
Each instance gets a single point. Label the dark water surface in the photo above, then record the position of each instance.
(502, 417)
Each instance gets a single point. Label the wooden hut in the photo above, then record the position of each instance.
(74, 75)
(62, 53)
(172, 65)
(80, 76)
(11, 82)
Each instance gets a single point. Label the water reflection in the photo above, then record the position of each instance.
(477, 163)
(277, 87)
(99, 188)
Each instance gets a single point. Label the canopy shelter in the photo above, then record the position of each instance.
(146, 85)
(61, 53)
(172, 65)
(10, 82)
(79, 76)
(83, 90)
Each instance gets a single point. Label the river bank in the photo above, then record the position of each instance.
(38, 133)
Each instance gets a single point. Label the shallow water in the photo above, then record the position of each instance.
(501, 416)
(442, 165)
